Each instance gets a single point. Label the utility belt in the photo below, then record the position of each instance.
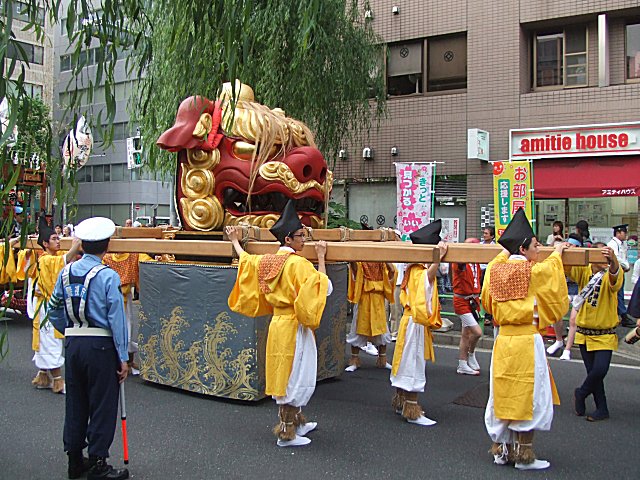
(595, 331)
(475, 296)
(87, 332)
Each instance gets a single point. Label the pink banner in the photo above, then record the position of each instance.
(415, 185)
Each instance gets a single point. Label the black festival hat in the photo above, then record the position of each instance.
(427, 235)
(517, 232)
(288, 222)
(365, 226)
(44, 231)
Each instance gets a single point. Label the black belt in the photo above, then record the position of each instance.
(596, 332)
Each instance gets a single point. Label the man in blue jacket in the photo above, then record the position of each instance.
(88, 308)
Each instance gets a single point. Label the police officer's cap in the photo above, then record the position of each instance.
(95, 229)
(427, 235)
(620, 228)
(517, 232)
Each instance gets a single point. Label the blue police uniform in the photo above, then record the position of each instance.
(88, 308)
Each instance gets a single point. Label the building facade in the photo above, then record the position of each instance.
(38, 79)
(107, 187)
(455, 65)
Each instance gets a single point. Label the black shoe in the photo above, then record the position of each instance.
(102, 470)
(578, 403)
(627, 322)
(78, 464)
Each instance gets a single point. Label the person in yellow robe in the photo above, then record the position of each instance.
(8, 269)
(288, 286)
(370, 284)
(43, 274)
(414, 345)
(126, 266)
(596, 325)
(524, 296)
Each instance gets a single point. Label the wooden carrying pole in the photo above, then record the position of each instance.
(400, 252)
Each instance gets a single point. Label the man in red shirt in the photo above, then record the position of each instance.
(466, 304)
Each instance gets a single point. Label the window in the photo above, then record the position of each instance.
(404, 68)
(102, 211)
(90, 57)
(21, 11)
(26, 52)
(560, 58)
(33, 90)
(98, 173)
(445, 65)
(87, 174)
(117, 172)
(632, 45)
(65, 63)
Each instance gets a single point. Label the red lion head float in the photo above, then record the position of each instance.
(243, 164)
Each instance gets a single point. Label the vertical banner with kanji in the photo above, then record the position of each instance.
(450, 232)
(511, 191)
(415, 189)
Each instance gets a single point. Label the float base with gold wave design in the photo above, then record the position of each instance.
(190, 339)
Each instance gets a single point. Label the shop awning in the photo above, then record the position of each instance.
(587, 178)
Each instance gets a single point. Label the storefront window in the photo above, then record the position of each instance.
(600, 213)
(632, 44)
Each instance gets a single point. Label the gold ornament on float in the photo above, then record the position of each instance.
(198, 183)
(202, 159)
(203, 213)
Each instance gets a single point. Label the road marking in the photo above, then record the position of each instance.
(484, 350)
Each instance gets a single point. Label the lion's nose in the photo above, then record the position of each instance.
(306, 163)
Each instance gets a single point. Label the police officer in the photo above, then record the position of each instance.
(87, 307)
(619, 246)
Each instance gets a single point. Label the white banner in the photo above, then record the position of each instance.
(415, 191)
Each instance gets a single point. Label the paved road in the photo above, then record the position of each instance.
(176, 435)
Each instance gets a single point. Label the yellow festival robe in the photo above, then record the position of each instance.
(8, 271)
(601, 317)
(413, 297)
(370, 296)
(298, 296)
(513, 351)
(44, 274)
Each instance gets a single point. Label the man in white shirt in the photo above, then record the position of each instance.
(619, 246)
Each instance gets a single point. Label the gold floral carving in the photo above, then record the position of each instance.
(200, 208)
(197, 183)
(201, 159)
(202, 213)
(203, 127)
(281, 172)
(206, 366)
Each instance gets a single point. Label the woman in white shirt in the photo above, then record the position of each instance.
(557, 235)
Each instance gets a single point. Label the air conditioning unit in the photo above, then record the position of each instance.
(342, 154)
(395, 10)
(367, 153)
(368, 14)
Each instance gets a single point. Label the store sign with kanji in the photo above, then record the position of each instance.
(577, 141)
(414, 192)
(511, 191)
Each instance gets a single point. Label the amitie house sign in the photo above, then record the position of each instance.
(577, 141)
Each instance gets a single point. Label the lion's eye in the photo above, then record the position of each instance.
(243, 150)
